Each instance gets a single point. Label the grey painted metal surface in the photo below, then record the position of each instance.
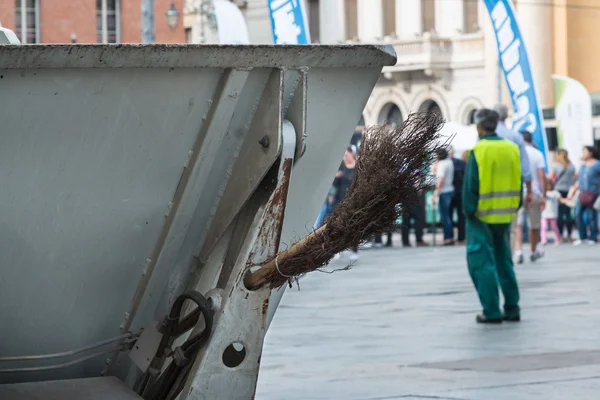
(242, 317)
(124, 169)
(108, 388)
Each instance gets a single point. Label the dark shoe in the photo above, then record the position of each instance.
(511, 318)
(388, 244)
(481, 319)
(422, 244)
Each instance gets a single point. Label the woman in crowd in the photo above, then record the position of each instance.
(444, 192)
(341, 183)
(588, 184)
(563, 176)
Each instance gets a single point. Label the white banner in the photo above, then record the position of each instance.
(231, 23)
(573, 111)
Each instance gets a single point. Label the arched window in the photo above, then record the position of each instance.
(395, 116)
(430, 106)
(471, 117)
(390, 115)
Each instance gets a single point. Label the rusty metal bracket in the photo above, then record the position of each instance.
(227, 367)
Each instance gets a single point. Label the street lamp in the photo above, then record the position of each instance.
(172, 16)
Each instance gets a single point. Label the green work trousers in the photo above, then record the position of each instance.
(489, 260)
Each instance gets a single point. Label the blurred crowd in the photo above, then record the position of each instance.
(559, 199)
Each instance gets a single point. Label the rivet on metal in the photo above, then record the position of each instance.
(169, 207)
(189, 157)
(265, 142)
(124, 321)
(145, 269)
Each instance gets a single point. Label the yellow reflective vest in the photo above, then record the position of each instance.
(499, 168)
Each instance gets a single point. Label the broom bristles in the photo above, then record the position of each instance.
(387, 179)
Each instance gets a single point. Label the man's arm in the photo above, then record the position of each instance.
(438, 186)
(525, 165)
(438, 170)
(525, 170)
(542, 177)
(470, 194)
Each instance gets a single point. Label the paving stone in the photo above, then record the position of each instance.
(400, 325)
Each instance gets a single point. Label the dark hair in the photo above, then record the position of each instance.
(593, 151)
(441, 153)
(527, 137)
(487, 119)
(502, 110)
(565, 160)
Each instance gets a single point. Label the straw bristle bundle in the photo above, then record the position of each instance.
(387, 179)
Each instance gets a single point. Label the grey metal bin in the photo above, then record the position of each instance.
(127, 173)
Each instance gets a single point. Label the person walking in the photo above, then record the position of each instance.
(444, 192)
(505, 132)
(532, 211)
(379, 240)
(342, 181)
(416, 213)
(492, 194)
(588, 183)
(563, 175)
(456, 203)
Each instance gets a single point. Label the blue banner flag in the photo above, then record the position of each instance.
(517, 72)
(288, 21)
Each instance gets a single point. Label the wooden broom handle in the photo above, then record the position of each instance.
(257, 279)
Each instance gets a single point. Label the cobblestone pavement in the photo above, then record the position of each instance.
(400, 325)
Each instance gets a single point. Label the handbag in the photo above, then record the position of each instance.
(597, 204)
(587, 198)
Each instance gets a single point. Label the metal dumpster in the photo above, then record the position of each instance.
(132, 173)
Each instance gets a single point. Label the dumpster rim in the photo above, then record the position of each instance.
(37, 56)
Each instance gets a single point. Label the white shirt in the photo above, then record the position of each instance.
(537, 162)
(445, 169)
(505, 133)
(552, 202)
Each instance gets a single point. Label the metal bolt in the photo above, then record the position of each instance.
(264, 142)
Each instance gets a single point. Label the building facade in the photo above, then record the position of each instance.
(86, 21)
(446, 49)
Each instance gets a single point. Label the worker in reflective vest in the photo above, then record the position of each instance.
(491, 197)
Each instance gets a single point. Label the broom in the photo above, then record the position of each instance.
(387, 179)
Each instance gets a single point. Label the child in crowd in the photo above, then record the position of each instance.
(550, 214)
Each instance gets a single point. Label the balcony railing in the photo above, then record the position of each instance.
(430, 52)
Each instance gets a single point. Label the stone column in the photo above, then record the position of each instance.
(536, 22)
(449, 17)
(409, 19)
(331, 21)
(370, 21)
